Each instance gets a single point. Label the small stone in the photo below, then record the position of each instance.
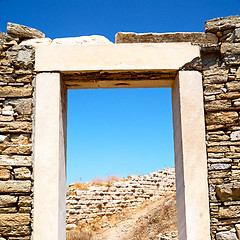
(5, 174)
(25, 201)
(94, 39)
(226, 235)
(15, 127)
(21, 105)
(22, 173)
(8, 201)
(7, 110)
(2, 138)
(15, 231)
(237, 226)
(221, 118)
(230, 49)
(71, 226)
(9, 91)
(24, 31)
(235, 136)
(220, 166)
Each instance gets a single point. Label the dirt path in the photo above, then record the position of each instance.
(143, 223)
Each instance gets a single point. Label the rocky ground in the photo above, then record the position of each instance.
(155, 219)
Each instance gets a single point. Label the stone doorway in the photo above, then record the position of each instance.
(116, 66)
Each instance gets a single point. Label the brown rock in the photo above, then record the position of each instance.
(218, 149)
(21, 105)
(15, 231)
(8, 201)
(23, 31)
(221, 118)
(15, 160)
(8, 210)
(22, 173)
(9, 91)
(215, 75)
(25, 201)
(233, 86)
(14, 219)
(15, 127)
(195, 38)
(22, 150)
(5, 174)
(230, 49)
(222, 23)
(25, 210)
(218, 105)
(229, 212)
(14, 186)
(228, 192)
(237, 226)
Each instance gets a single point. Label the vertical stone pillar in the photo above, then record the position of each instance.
(49, 158)
(190, 157)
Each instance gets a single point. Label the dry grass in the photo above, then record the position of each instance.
(78, 235)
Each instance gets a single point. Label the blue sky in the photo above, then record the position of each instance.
(125, 131)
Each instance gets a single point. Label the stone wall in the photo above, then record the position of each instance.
(85, 205)
(16, 107)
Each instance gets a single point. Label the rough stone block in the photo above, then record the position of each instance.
(23, 56)
(195, 38)
(222, 23)
(23, 31)
(226, 235)
(218, 105)
(18, 219)
(14, 186)
(229, 212)
(15, 160)
(230, 49)
(21, 105)
(15, 127)
(8, 201)
(25, 201)
(22, 173)
(5, 174)
(221, 118)
(10, 91)
(15, 231)
(228, 192)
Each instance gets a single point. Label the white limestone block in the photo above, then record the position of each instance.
(36, 41)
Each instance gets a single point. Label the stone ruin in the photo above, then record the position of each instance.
(219, 66)
(99, 201)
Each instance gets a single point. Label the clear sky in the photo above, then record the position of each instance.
(126, 131)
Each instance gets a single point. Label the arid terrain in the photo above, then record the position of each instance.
(154, 219)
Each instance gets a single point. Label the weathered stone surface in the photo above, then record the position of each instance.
(237, 226)
(36, 42)
(220, 166)
(9, 91)
(229, 212)
(14, 186)
(233, 86)
(25, 201)
(235, 136)
(94, 39)
(15, 160)
(15, 231)
(215, 75)
(228, 192)
(218, 105)
(18, 219)
(22, 56)
(21, 105)
(8, 201)
(22, 173)
(13, 149)
(5, 174)
(2, 139)
(195, 38)
(230, 49)
(222, 23)
(24, 31)
(226, 235)
(221, 118)
(15, 127)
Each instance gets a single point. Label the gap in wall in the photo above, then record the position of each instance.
(118, 131)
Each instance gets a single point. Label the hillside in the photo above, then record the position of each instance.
(154, 219)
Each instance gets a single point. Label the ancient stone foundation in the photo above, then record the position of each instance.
(219, 65)
(98, 201)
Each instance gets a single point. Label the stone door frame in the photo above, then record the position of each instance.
(62, 67)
